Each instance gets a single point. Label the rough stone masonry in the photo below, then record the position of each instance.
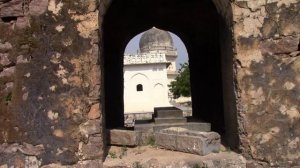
(51, 92)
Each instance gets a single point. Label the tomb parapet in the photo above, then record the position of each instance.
(144, 58)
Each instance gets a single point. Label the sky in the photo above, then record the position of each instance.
(133, 46)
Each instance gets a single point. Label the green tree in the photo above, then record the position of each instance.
(182, 85)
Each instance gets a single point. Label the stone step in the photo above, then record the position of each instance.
(204, 127)
(166, 112)
(184, 140)
(174, 120)
(146, 127)
(128, 137)
(143, 121)
(169, 113)
(194, 126)
(121, 137)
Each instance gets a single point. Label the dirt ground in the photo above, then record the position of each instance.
(149, 156)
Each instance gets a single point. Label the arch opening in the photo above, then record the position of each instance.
(207, 36)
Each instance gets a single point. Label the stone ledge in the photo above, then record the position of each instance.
(122, 137)
(128, 137)
(195, 142)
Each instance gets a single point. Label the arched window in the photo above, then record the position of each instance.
(139, 87)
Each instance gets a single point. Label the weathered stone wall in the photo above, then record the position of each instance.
(50, 83)
(267, 62)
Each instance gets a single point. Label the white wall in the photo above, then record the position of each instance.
(153, 77)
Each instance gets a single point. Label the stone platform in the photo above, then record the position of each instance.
(169, 130)
(195, 126)
(184, 140)
(165, 117)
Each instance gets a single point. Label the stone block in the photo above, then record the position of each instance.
(193, 126)
(269, 28)
(21, 59)
(144, 138)
(90, 127)
(67, 157)
(7, 72)
(144, 127)
(93, 149)
(169, 120)
(38, 7)
(122, 137)
(169, 113)
(94, 112)
(5, 47)
(22, 22)
(282, 46)
(4, 60)
(31, 150)
(12, 8)
(198, 126)
(164, 109)
(184, 140)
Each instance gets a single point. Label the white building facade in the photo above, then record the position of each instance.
(148, 73)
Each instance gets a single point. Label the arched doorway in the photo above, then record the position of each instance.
(208, 39)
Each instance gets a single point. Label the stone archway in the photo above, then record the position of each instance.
(51, 73)
(203, 27)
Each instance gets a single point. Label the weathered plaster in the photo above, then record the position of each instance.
(55, 7)
(87, 23)
(266, 44)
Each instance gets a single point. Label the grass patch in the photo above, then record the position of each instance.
(123, 152)
(112, 155)
(151, 142)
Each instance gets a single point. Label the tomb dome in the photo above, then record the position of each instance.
(155, 39)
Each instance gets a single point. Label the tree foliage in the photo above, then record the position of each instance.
(182, 85)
